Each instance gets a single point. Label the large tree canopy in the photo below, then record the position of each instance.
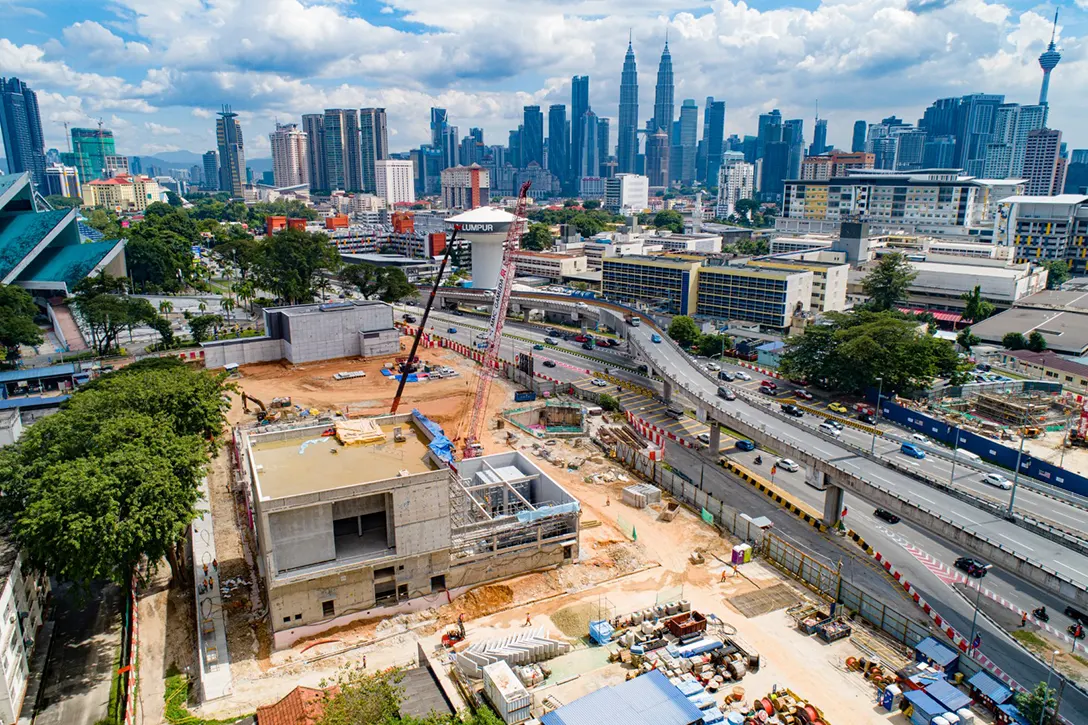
(887, 283)
(855, 349)
(17, 311)
(289, 262)
(684, 330)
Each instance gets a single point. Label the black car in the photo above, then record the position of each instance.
(1076, 615)
(587, 345)
(972, 566)
(886, 516)
(767, 391)
(726, 375)
(791, 409)
(549, 363)
(867, 418)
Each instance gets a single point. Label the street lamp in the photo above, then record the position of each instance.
(879, 395)
(978, 595)
(955, 455)
(1016, 473)
(1049, 672)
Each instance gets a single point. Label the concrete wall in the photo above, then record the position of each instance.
(301, 537)
(377, 344)
(241, 352)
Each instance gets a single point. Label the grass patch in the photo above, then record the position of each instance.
(177, 697)
(1030, 639)
(1082, 659)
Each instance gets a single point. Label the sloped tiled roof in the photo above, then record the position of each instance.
(68, 264)
(300, 706)
(21, 233)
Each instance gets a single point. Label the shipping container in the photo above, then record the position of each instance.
(521, 396)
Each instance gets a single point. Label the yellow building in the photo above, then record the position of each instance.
(122, 193)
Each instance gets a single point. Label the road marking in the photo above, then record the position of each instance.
(1008, 538)
(1066, 566)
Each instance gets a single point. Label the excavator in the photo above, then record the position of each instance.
(245, 406)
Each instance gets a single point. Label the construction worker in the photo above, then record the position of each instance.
(1024, 619)
(528, 620)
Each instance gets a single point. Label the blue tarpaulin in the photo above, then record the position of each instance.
(440, 445)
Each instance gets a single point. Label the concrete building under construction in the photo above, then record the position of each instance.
(345, 529)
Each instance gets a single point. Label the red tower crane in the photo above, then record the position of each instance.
(503, 288)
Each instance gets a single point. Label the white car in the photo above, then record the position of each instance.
(829, 429)
(741, 375)
(920, 438)
(599, 383)
(996, 479)
(713, 367)
(481, 336)
(704, 438)
(787, 464)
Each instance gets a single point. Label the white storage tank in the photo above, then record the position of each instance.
(485, 228)
(966, 716)
(505, 691)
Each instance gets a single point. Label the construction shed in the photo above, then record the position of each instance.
(649, 699)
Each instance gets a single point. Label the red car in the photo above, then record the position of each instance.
(803, 394)
(769, 384)
(603, 343)
(581, 338)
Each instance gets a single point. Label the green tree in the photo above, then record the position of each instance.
(162, 326)
(104, 221)
(58, 201)
(103, 307)
(967, 339)
(607, 402)
(227, 305)
(591, 204)
(713, 345)
(887, 283)
(1036, 341)
(289, 262)
(166, 307)
(669, 219)
(17, 327)
(684, 330)
(539, 237)
(363, 697)
(1014, 341)
(395, 285)
(1034, 704)
(976, 308)
(200, 325)
(173, 199)
(569, 203)
(1057, 273)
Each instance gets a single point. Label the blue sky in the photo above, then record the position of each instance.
(156, 75)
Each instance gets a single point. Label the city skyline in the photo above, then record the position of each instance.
(162, 100)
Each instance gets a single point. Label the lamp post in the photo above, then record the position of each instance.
(1065, 436)
(1016, 473)
(978, 595)
(1049, 672)
(879, 395)
(955, 455)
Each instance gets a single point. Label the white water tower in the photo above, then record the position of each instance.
(485, 228)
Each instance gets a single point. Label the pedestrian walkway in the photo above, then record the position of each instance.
(211, 631)
(68, 331)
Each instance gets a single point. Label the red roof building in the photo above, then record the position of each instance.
(301, 706)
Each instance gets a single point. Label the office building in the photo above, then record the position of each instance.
(604, 169)
(819, 138)
(21, 124)
(910, 149)
(532, 136)
(343, 159)
(313, 125)
(975, 116)
(688, 140)
(558, 143)
(1048, 61)
(1043, 228)
(579, 105)
(667, 284)
(118, 164)
(91, 146)
(822, 168)
(937, 202)
(589, 164)
(1044, 166)
(663, 93)
(793, 134)
(439, 123)
(211, 170)
(657, 159)
(627, 194)
(939, 152)
(1008, 143)
(627, 148)
(127, 193)
(736, 181)
(591, 187)
(232, 157)
(61, 180)
(769, 131)
(861, 129)
(466, 187)
(373, 145)
(830, 280)
(714, 130)
(393, 179)
(553, 266)
(451, 149)
(774, 171)
(290, 156)
(763, 295)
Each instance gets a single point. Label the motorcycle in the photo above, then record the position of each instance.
(1040, 614)
(1076, 631)
(759, 460)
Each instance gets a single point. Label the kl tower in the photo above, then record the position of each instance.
(1048, 61)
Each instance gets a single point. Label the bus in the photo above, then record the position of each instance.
(675, 413)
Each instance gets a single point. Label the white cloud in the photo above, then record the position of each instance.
(99, 45)
(158, 129)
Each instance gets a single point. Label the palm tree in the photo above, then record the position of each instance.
(202, 307)
(166, 307)
(227, 305)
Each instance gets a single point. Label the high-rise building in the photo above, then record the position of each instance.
(857, 143)
(627, 147)
(373, 146)
(603, 143)
(532, 137)
(1044, 167)
(939, 118)
(834, 164)
(232, 156)
(1008, 143)
(343, 159)
(313, 125)
(211, 170)
(439, 122)
(939, 153)
(513, 144)
(589, 163)
(21, 124)
(657, 159)
(775, 170)
(714, 130)
(290, 155)
(736, 181)
(117, 164)
(579, 104)
(61, 180)
(769, 131)
(466, 187)
(910, 150)
(819, 138)
(427, 169)
(559, 143)
(91, 146)
(975, 118)
(393, 181)
(793, 133)
(626, 194)
(1048, 61)
(663, 92)
(687, 135)
(451, 148)
(1079, 156)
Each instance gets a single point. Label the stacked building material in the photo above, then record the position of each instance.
(521, 649)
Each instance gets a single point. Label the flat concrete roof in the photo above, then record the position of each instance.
(1064, 331)
(306, 463)
(1074, 300)
(969, 266)
(337, 306)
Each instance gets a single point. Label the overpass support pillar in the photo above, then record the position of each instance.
(833, 502)
(584, 324)
(668, 392)
(715, 438)
(525, 315)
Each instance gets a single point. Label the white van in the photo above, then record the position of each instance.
(965, 455)
(829, 429)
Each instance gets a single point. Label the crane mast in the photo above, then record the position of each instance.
(503, 288)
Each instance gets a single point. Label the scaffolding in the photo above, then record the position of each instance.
(1016, 410)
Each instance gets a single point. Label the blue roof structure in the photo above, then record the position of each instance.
(22, 233)
(944, 693)
(68, 264)
(36, 401)
(50, 371)
(936, 652)
(1013, 714)
(924, 703)
(649, 699)
(990, 687)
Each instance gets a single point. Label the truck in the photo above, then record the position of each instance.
(632, 320)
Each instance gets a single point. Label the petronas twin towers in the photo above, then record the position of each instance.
(661, 124)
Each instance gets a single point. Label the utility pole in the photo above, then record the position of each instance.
(879, 395)
(955, 455)
(1016, 473)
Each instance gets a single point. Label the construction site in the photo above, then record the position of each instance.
(541, 560)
